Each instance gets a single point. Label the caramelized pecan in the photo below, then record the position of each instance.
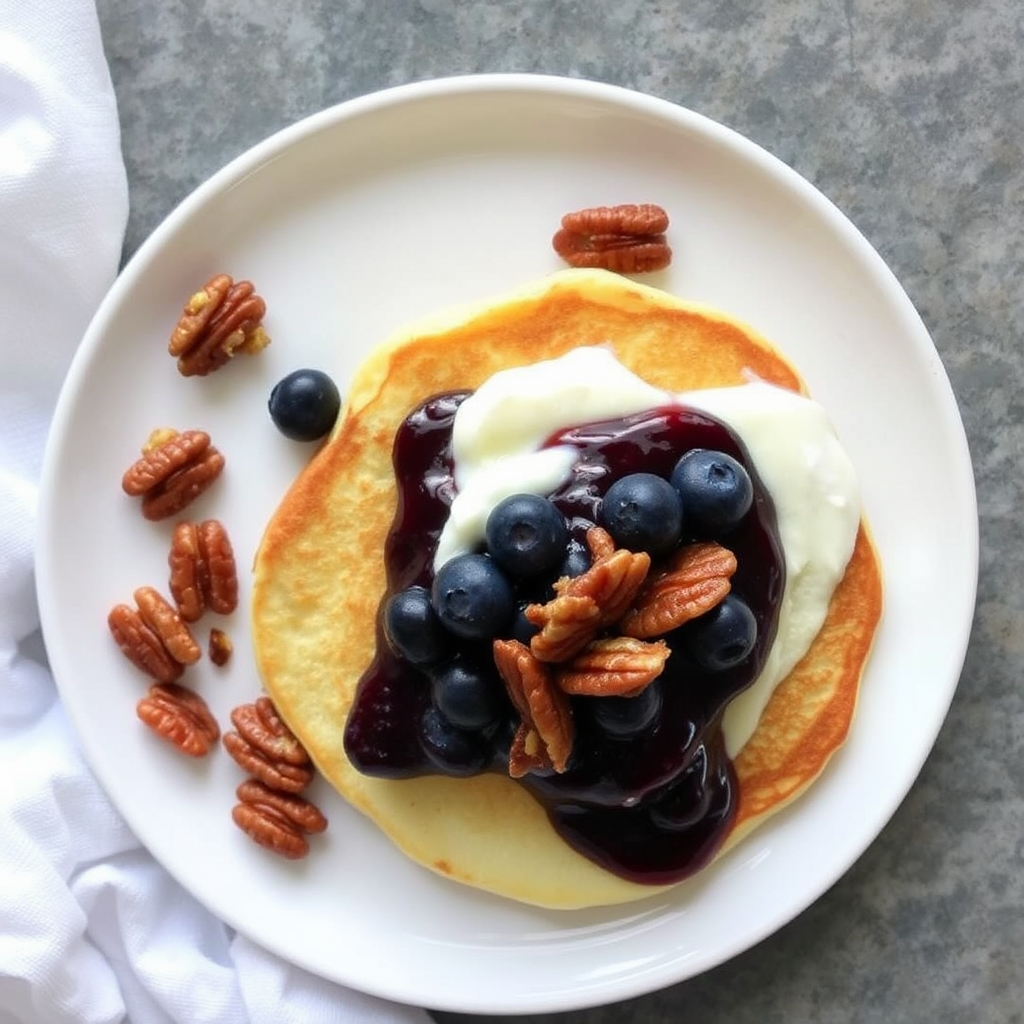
(545, 734)
(165, 452)
(567, 624)
(617, 666)
(262, 727)
(277, 821)
(168, 625)
(181, 717)
(277, 774)
(173, 470)
(202, 569)
(223, 318)
(180, 490)
(696, 580)
(267, 749)
(627, 239)
(612, 582)
(141, 645)
(624, 219)
(584, 605)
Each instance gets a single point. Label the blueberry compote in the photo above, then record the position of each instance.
(649, 792)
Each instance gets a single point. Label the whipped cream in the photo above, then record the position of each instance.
(496, 444)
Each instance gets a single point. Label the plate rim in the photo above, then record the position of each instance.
(556, 89)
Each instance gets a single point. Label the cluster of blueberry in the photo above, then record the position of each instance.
(712, 492)
(477, 597)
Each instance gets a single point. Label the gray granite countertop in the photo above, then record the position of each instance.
(909, 115)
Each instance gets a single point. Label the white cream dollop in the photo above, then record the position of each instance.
(500, 428)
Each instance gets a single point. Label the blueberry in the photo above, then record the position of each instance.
(722, 637)
(623, 717)
(412, 627)
(642, 512)
(716, 491)
(453, 750)
(468, 695)
(523, 629)
(304, 405)
(526, 535)
(472, 597)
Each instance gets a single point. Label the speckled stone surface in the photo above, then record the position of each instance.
(909, 115)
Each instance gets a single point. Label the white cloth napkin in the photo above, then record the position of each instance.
(92, 930)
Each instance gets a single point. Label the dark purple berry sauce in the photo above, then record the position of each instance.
(654, 806)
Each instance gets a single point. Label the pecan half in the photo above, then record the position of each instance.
(277, 821)
(179, 491)
(584, 605)
(279, 775)
(267, 749)
(168, 625)
(567, 624)
(545, 733)
(612, 582)
(202, 569)
(625, 218)
(618, 666)
(221, 319)
(262, 727)
(181, 717)
(627, 239)
(164, 453)
(174, 469)
(696, 580)
(141, 645)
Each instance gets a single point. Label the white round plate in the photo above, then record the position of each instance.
(351, 223)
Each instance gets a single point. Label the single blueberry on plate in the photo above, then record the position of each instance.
(453, 750)
(716, 491)
(624, 717)
(472, 597)
(469, 695)
(722, 637)
(412, 627)
(304, 405)
(526, 535)
(643, 512)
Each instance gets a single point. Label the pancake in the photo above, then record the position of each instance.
(320, 577)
